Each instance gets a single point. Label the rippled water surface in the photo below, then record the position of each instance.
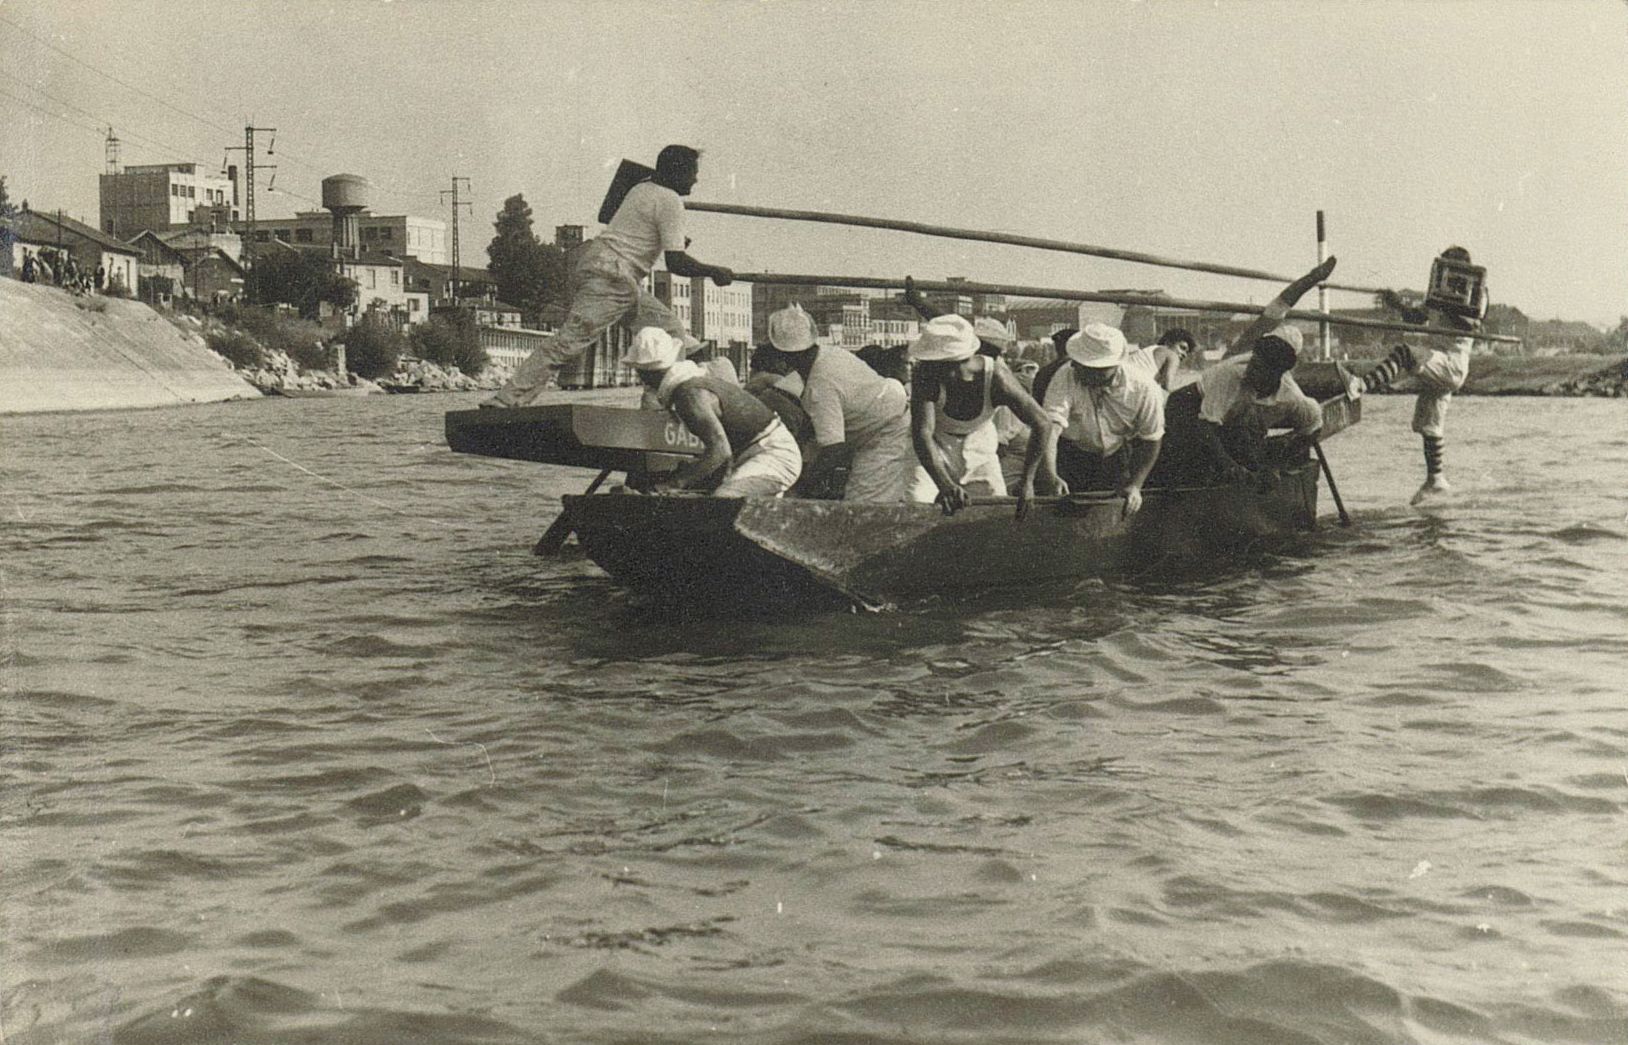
(299, 744)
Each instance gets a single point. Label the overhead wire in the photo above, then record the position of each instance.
(101, 72)
(103, 122)
(385, 187)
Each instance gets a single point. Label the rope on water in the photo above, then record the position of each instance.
(393, 509)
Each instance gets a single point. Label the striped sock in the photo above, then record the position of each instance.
(1382, 375)
(1433, 446)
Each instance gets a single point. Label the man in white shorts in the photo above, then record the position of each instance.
(744, 440)
(1440, 372)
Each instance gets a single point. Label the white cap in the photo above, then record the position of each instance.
(993, 331)
(654, 349)
(945, 339)
(792, 330)
(1098, 345)
(1290, 335)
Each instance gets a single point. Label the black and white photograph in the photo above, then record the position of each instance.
(813, 522)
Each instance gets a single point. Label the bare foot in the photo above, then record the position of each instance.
(1434, 487)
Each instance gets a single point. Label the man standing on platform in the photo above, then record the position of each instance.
(648, 225)
(742, 437)
(855, 411)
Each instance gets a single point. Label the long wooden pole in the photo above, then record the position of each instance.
(947, 232)
(1111, 297)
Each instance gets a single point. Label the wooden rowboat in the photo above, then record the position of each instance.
(732, 554)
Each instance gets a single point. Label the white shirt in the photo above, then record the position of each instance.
(1228, 401)
(1101, 420)
(848, 401)
(649, 222)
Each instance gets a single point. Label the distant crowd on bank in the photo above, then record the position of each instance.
(58, 268)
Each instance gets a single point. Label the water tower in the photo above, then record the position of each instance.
(346, 195)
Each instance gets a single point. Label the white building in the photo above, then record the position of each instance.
(404, 235)
(163, 196)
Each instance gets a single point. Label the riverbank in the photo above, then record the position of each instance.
(60, 351)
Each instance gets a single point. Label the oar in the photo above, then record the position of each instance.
(553, 538)
(1127, 297)
(948, 232)
(1334, 491)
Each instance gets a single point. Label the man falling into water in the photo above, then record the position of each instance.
(1439, 371)
(647, 225)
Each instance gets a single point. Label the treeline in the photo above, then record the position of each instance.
(530, 274)
(247, 335)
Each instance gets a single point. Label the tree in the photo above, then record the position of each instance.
(450, 339)
(1617, 340)
(372, 348)
(528, 273)
(7, 208)
(304, 279)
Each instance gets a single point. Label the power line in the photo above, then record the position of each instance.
(123, 83)
(382, 186)
(396, 190)
(101, 118)
(55, 116)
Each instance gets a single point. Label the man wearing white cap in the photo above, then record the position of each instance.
(954, 393)
(647, 225)
(854, 411)
(1108, 419)
(741, 436)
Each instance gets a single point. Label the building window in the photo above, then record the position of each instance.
(386, 233)
(372, 278)
(302, 235)
(283, 234)
(175, 190)
(262, 237)
(395, 278)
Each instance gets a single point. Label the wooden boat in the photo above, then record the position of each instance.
(733, 553)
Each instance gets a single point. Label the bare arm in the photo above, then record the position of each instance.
(913, 298)
(679, 263)
(1279, 307)
(923, 424)
(825, 460)
(1009, 392)
(698, 409)
(1230, 468)
(1143, 453)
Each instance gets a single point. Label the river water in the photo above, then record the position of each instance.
(299, 744)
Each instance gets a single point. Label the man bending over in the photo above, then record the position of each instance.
(744, 440)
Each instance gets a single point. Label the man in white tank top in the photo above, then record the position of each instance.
(960, 456)
(606, 282)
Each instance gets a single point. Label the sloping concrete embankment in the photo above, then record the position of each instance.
(59, 352)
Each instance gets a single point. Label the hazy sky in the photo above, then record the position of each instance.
(1208, 129)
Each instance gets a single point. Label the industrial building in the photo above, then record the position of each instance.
(164, 196)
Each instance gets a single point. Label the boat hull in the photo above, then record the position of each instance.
(727, 553)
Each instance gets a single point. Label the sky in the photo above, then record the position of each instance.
(1198, 129)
